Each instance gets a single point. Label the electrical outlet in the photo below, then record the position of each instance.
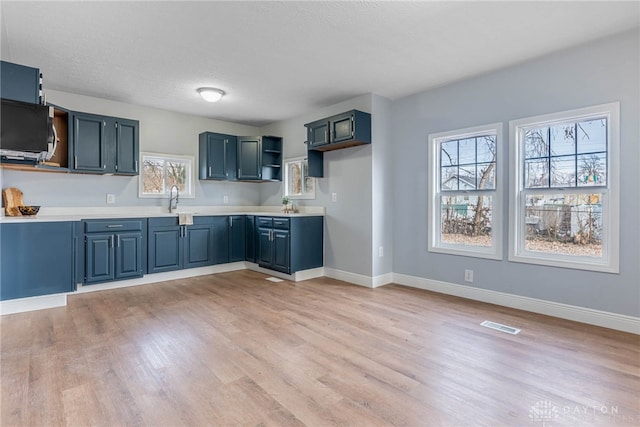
(111, 199)
(225, 199)
(468, 276)
(381, 251)
(334, 197)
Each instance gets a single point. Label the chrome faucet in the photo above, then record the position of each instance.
(173, 206)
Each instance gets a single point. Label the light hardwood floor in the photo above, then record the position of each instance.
(235, 349)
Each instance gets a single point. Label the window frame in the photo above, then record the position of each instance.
(190, 184)
(285, 180)
(434, 222)
(609, 261)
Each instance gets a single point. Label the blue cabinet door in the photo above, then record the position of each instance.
(19, 82)
(265, 252)
(128, 255)
(237, 231)
(127, 146)
(89, 139)
(249, 157)
(250, 239)
(220, 239)
(198, 245)
(217, 156)
(37, 259)
(280, 250)
(99, 260)
(317, 133)
(164, 249)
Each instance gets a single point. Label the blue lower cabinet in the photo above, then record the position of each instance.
(198, 244)
(237, 238)
(173, 247)
(290, 244)
(250, 238)
(114, 250)
(37, 259)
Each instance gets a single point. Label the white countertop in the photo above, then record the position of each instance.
(49, 214)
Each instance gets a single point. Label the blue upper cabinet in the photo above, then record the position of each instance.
(127, 144)
(318, 133)
(217, 156)
(347, 129)
(343, 130)
(89, 143)
(20, 83)
(103, 144)
(249, 157)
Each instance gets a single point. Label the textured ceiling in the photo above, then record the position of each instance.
(277, 60)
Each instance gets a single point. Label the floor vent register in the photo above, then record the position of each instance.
(499, 327)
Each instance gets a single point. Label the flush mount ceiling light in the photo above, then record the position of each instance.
(211, 94)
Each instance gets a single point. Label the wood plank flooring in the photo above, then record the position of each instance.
(235, 349)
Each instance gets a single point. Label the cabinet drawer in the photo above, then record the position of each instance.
(163, 221)
(281, 223)
(111, 226)
(265, 222)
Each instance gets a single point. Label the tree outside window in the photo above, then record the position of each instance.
(297, 183)
(160, 172)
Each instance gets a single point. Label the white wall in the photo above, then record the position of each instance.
(160, 131)
(600, 72)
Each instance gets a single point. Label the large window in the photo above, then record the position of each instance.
(564, 184)
(297, 183)
(162, 171)
(465, 202)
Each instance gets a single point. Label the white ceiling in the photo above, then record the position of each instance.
(278, 60)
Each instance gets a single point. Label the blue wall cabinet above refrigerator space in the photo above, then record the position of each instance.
(37, 259)
(343, 130)
(348, 129)
(20, 83)
(103, 144)
(114, 250)
(217, 156)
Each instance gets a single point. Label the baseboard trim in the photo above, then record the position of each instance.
(383, 279)
(359, 279)
(353, 278)
(564, 311)
(590, 316)
(21, 305)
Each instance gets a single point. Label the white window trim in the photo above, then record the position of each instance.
(433, 212)
(190, 195)
(308, 196)
(609, 262)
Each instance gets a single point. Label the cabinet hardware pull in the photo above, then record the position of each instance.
(135, 167)
(75, 162)
(115, 225)
(325, 136)
(118, 236)
(110, 241)
(209, 170)
(231, 222)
